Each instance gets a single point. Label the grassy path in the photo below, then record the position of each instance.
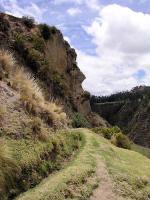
(61, 185)
(122, 172)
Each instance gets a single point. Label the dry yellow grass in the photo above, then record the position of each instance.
(7, 60)
(8, 168)
(30, 92)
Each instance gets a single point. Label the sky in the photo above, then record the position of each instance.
(111, 37)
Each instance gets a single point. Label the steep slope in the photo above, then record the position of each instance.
(31, 146)
(42, 50)
(129, 111)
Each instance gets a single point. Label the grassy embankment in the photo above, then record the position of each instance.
(25, 162)
(129, 171)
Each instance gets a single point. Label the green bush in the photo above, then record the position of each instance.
(53, 29)
(121, 140)
(115, 135)
(28, 21)
(80, 121)
(45, 31)
(38, 43)
(58, 83)
(33, 59)
(107, 132)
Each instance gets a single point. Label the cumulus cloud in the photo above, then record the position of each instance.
(122, 59)
(12, 7)
(73, 11)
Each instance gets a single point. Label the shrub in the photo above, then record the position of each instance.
(80, 121)
(4, 25)
(115, 135)
(53, 29)
(28, 21)
(38, 43)
(58, 84)
(121, 140)
(45, 31)
(107, 132)
(34, 59)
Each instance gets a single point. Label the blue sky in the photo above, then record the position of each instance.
(111, 37)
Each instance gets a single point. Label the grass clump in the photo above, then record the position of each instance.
(79, 121)
(31, 95)
(8, 170)
(2, 113)
(7, 62)
(121, 140)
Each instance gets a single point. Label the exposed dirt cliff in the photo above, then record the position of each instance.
(44, 52)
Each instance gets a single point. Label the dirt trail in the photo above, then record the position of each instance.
(105, 189)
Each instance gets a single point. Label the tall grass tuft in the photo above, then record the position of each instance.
(30, 93)
(8, 170)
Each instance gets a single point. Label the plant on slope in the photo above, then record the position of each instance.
(121, 140)
(2, 112)
(28, 21)
(30, 93)
(80, 121)
(6, 63)
(8, 170)
(115, 135)
(4, 25)
(45, 31)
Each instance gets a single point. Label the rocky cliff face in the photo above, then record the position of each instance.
(51, 60)
(131, 113)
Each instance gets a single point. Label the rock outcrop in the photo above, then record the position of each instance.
(51, 60)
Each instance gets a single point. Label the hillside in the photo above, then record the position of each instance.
(42, 51)
(128, 110)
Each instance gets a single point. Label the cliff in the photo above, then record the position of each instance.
(43, 51)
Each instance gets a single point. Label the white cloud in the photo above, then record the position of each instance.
(73, 11)
(12, 7)
(122, 39)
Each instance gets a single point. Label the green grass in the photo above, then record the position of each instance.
(143, 150)
(33, 160)
(75, 181)
(129, 171)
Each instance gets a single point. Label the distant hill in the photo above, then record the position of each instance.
(130, 110)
